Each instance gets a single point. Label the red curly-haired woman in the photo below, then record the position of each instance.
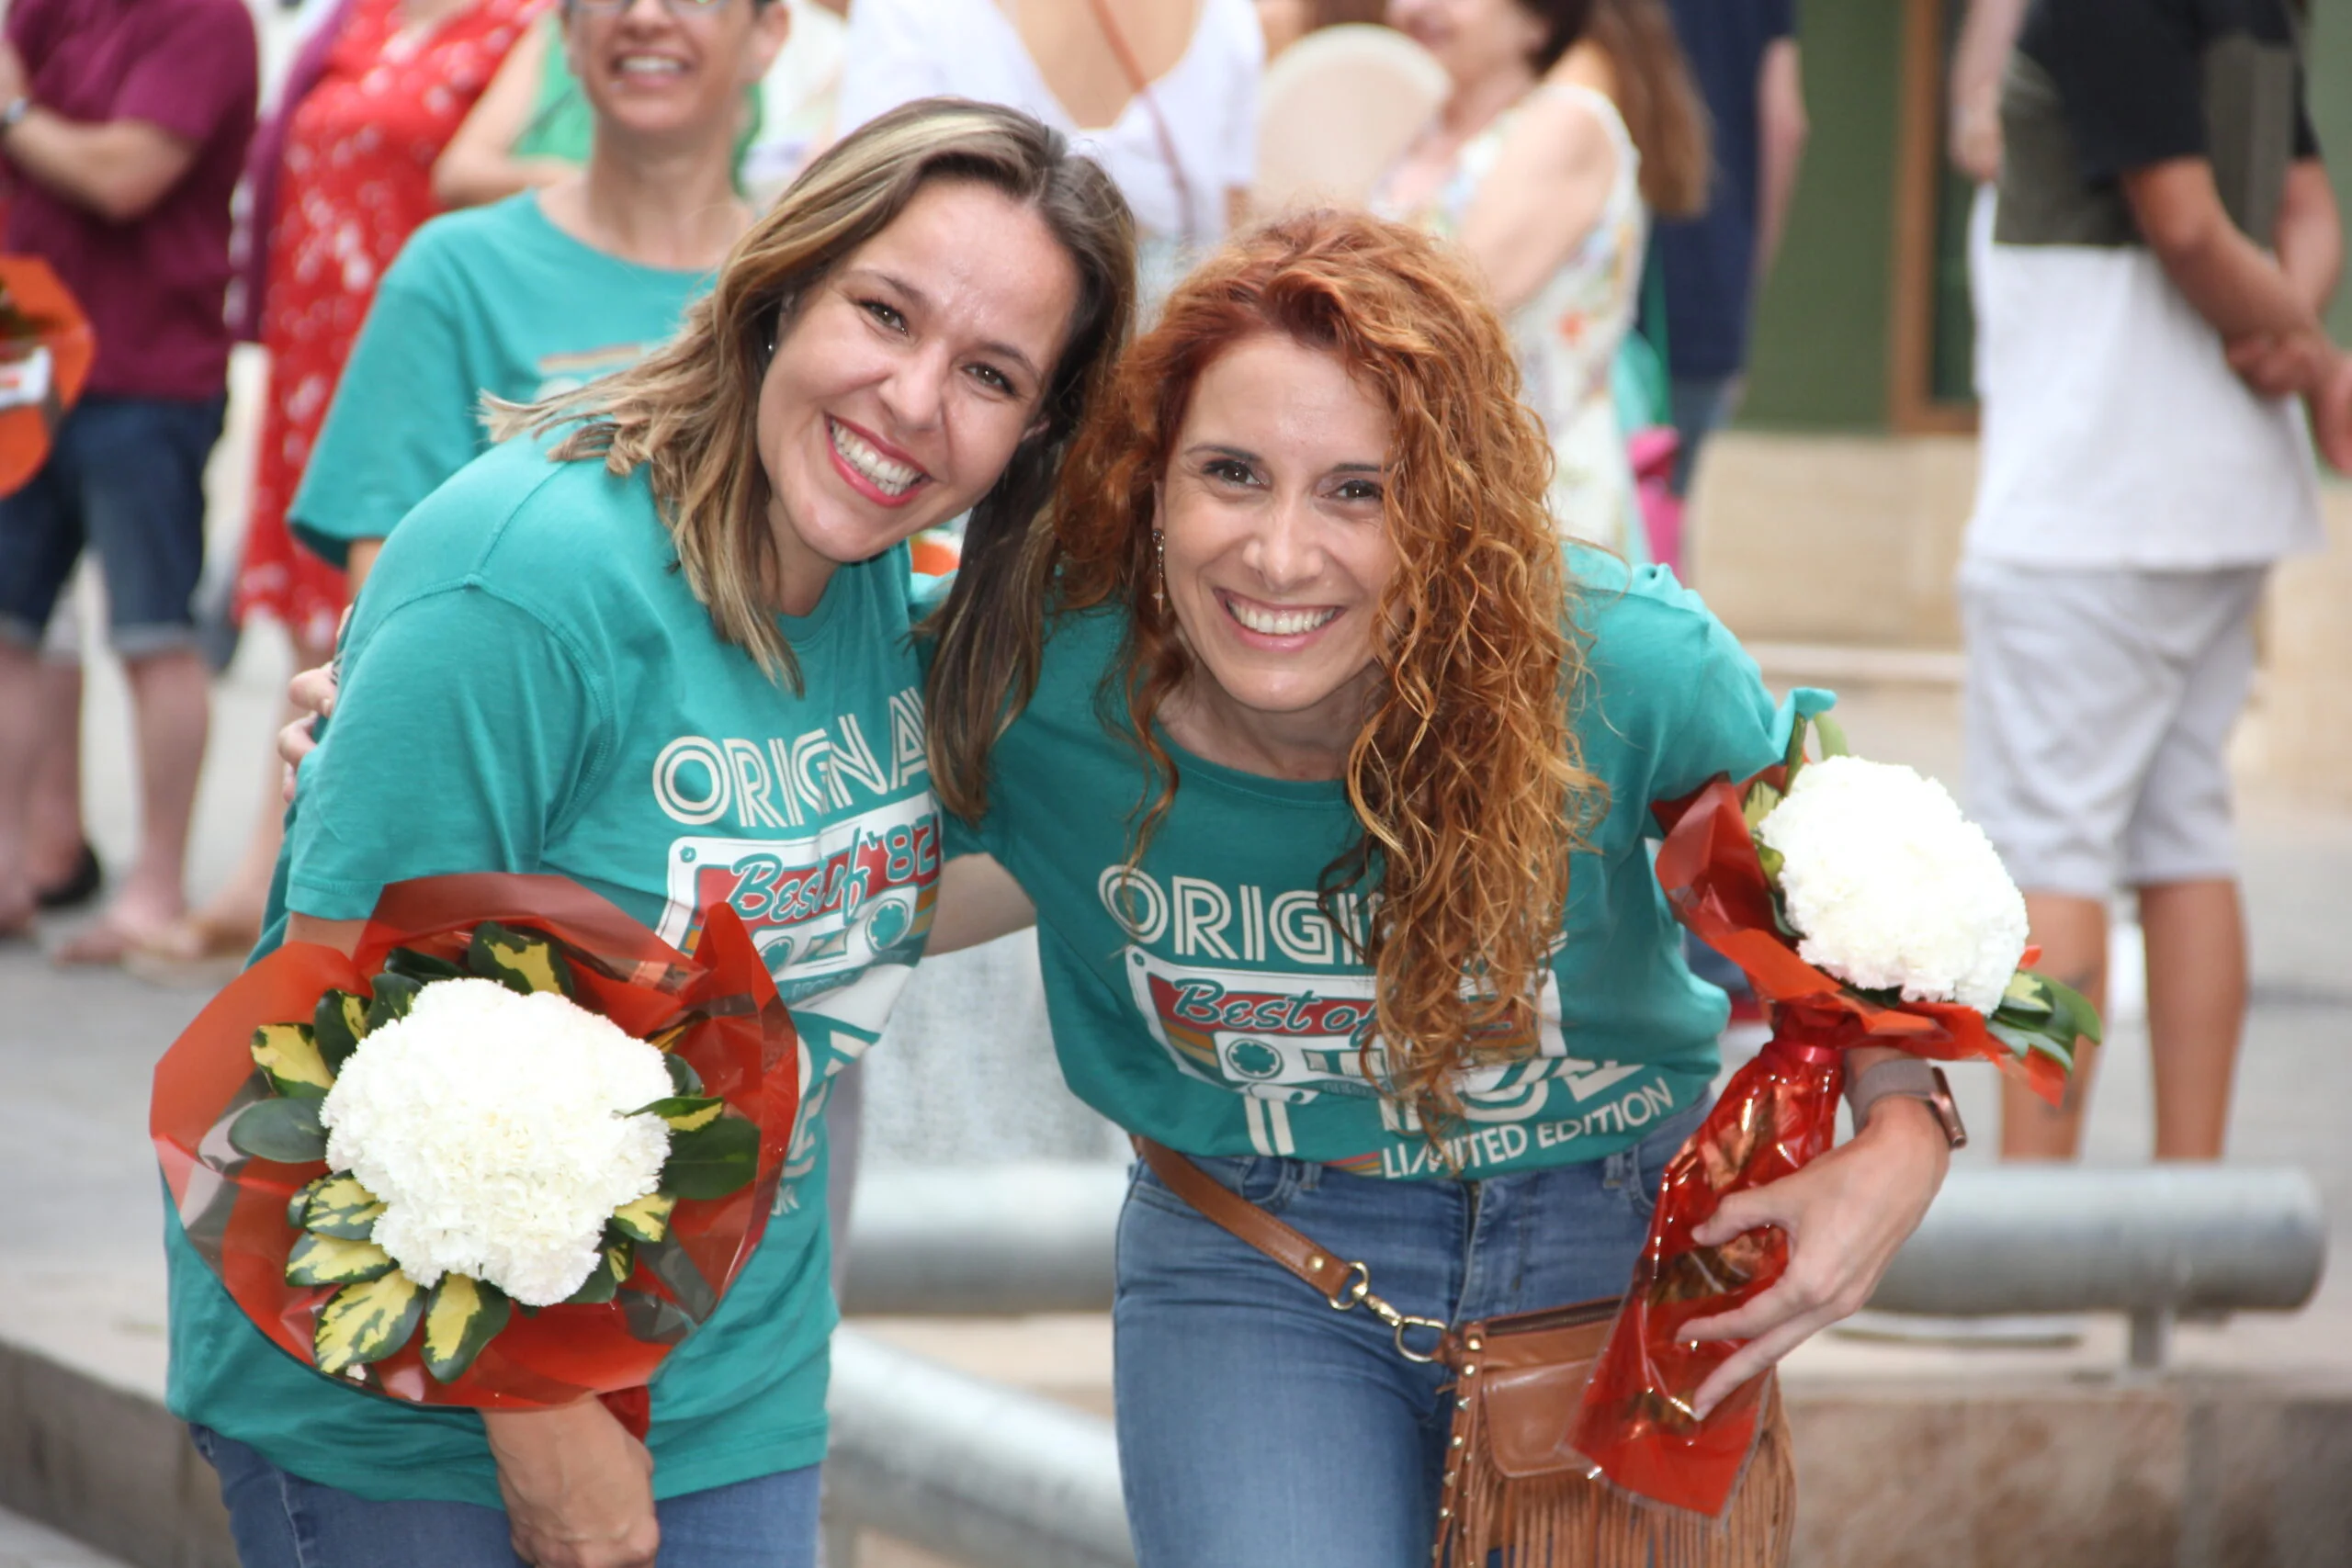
(1312, 718)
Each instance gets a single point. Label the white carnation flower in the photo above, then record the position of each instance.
(1890, 886)
(488, 1122)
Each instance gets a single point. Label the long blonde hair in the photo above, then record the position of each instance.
(689, 413)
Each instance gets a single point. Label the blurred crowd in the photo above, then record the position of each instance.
(430, 201)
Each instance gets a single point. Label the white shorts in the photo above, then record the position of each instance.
(2099, 705)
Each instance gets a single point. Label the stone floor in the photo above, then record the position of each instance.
(24, 1544)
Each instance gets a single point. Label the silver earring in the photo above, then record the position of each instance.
(1160, 571)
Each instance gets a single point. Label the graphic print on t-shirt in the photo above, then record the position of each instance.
(832, 904)
(1286, 1037)
(837, 910)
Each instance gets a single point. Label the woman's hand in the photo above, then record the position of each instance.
(579, 1489)
(1846, 1214)
(311, 694)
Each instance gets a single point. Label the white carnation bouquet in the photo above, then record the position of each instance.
(489, 1127)
(1884, 884)
(500, 1133)
(1866, 911)
(1890, 888)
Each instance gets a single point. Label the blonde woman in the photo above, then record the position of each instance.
(659, 644)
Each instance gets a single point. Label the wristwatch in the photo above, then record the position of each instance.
(1906, 1078)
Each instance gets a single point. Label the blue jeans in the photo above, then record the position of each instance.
(1259, 1428)
(280, 1520)
(125, 477)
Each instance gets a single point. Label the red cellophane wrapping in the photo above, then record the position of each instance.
(1777, 1113)
(738, 1038)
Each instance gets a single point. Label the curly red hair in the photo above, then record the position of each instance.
(1467, 775)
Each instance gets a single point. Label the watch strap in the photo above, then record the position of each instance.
(1905, 1077)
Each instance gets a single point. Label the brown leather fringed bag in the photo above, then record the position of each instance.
(1512, 1485)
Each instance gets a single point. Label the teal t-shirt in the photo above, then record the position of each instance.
(1201, 998)
(530, 685)
(492, 299)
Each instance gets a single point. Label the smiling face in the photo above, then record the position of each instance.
(909, 375)
(1276, 552)
(670, 69)
(1472, 39)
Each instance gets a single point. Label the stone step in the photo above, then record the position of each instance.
(26, 1544)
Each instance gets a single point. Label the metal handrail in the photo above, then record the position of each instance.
(2151, 1242)
(971, 1470)
(997, 1477)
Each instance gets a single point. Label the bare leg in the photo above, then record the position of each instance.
(20, 740)
(171, 701)
(2072, 933)
(53, 826)
(2197, 965)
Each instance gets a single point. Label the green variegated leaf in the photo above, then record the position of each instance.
(670, 1263)
(1770, 860)
(286, 1053)
(1792, 759)
(367, 1322)
(301, 1199)
(2027, 997)
(2022, 1042)
(521, 961)
(421, 967)
(1762, 799)
(648, 1219)
(2057, 1044)
(462, 1315)
(684, 1113)
(667, 1039)
(395, 994)
(1833, 736)
(280, 1129)
(615, 1259)
(332, 1260)
(339, 1206)
(2077, 1007)
(682, 1077)
(336, 1025)
(712, 1160)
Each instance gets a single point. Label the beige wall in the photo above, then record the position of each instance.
(1852, 540)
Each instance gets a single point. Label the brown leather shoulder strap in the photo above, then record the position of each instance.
(1292, 1250)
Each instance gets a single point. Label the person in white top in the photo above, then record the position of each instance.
(1163, 94)
(1530, 166)
(2154, 369)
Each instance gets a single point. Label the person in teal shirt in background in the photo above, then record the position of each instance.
(528, 297)
(540, 293)
(661, 646)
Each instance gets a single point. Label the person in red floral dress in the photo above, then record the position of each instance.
(387, 87)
